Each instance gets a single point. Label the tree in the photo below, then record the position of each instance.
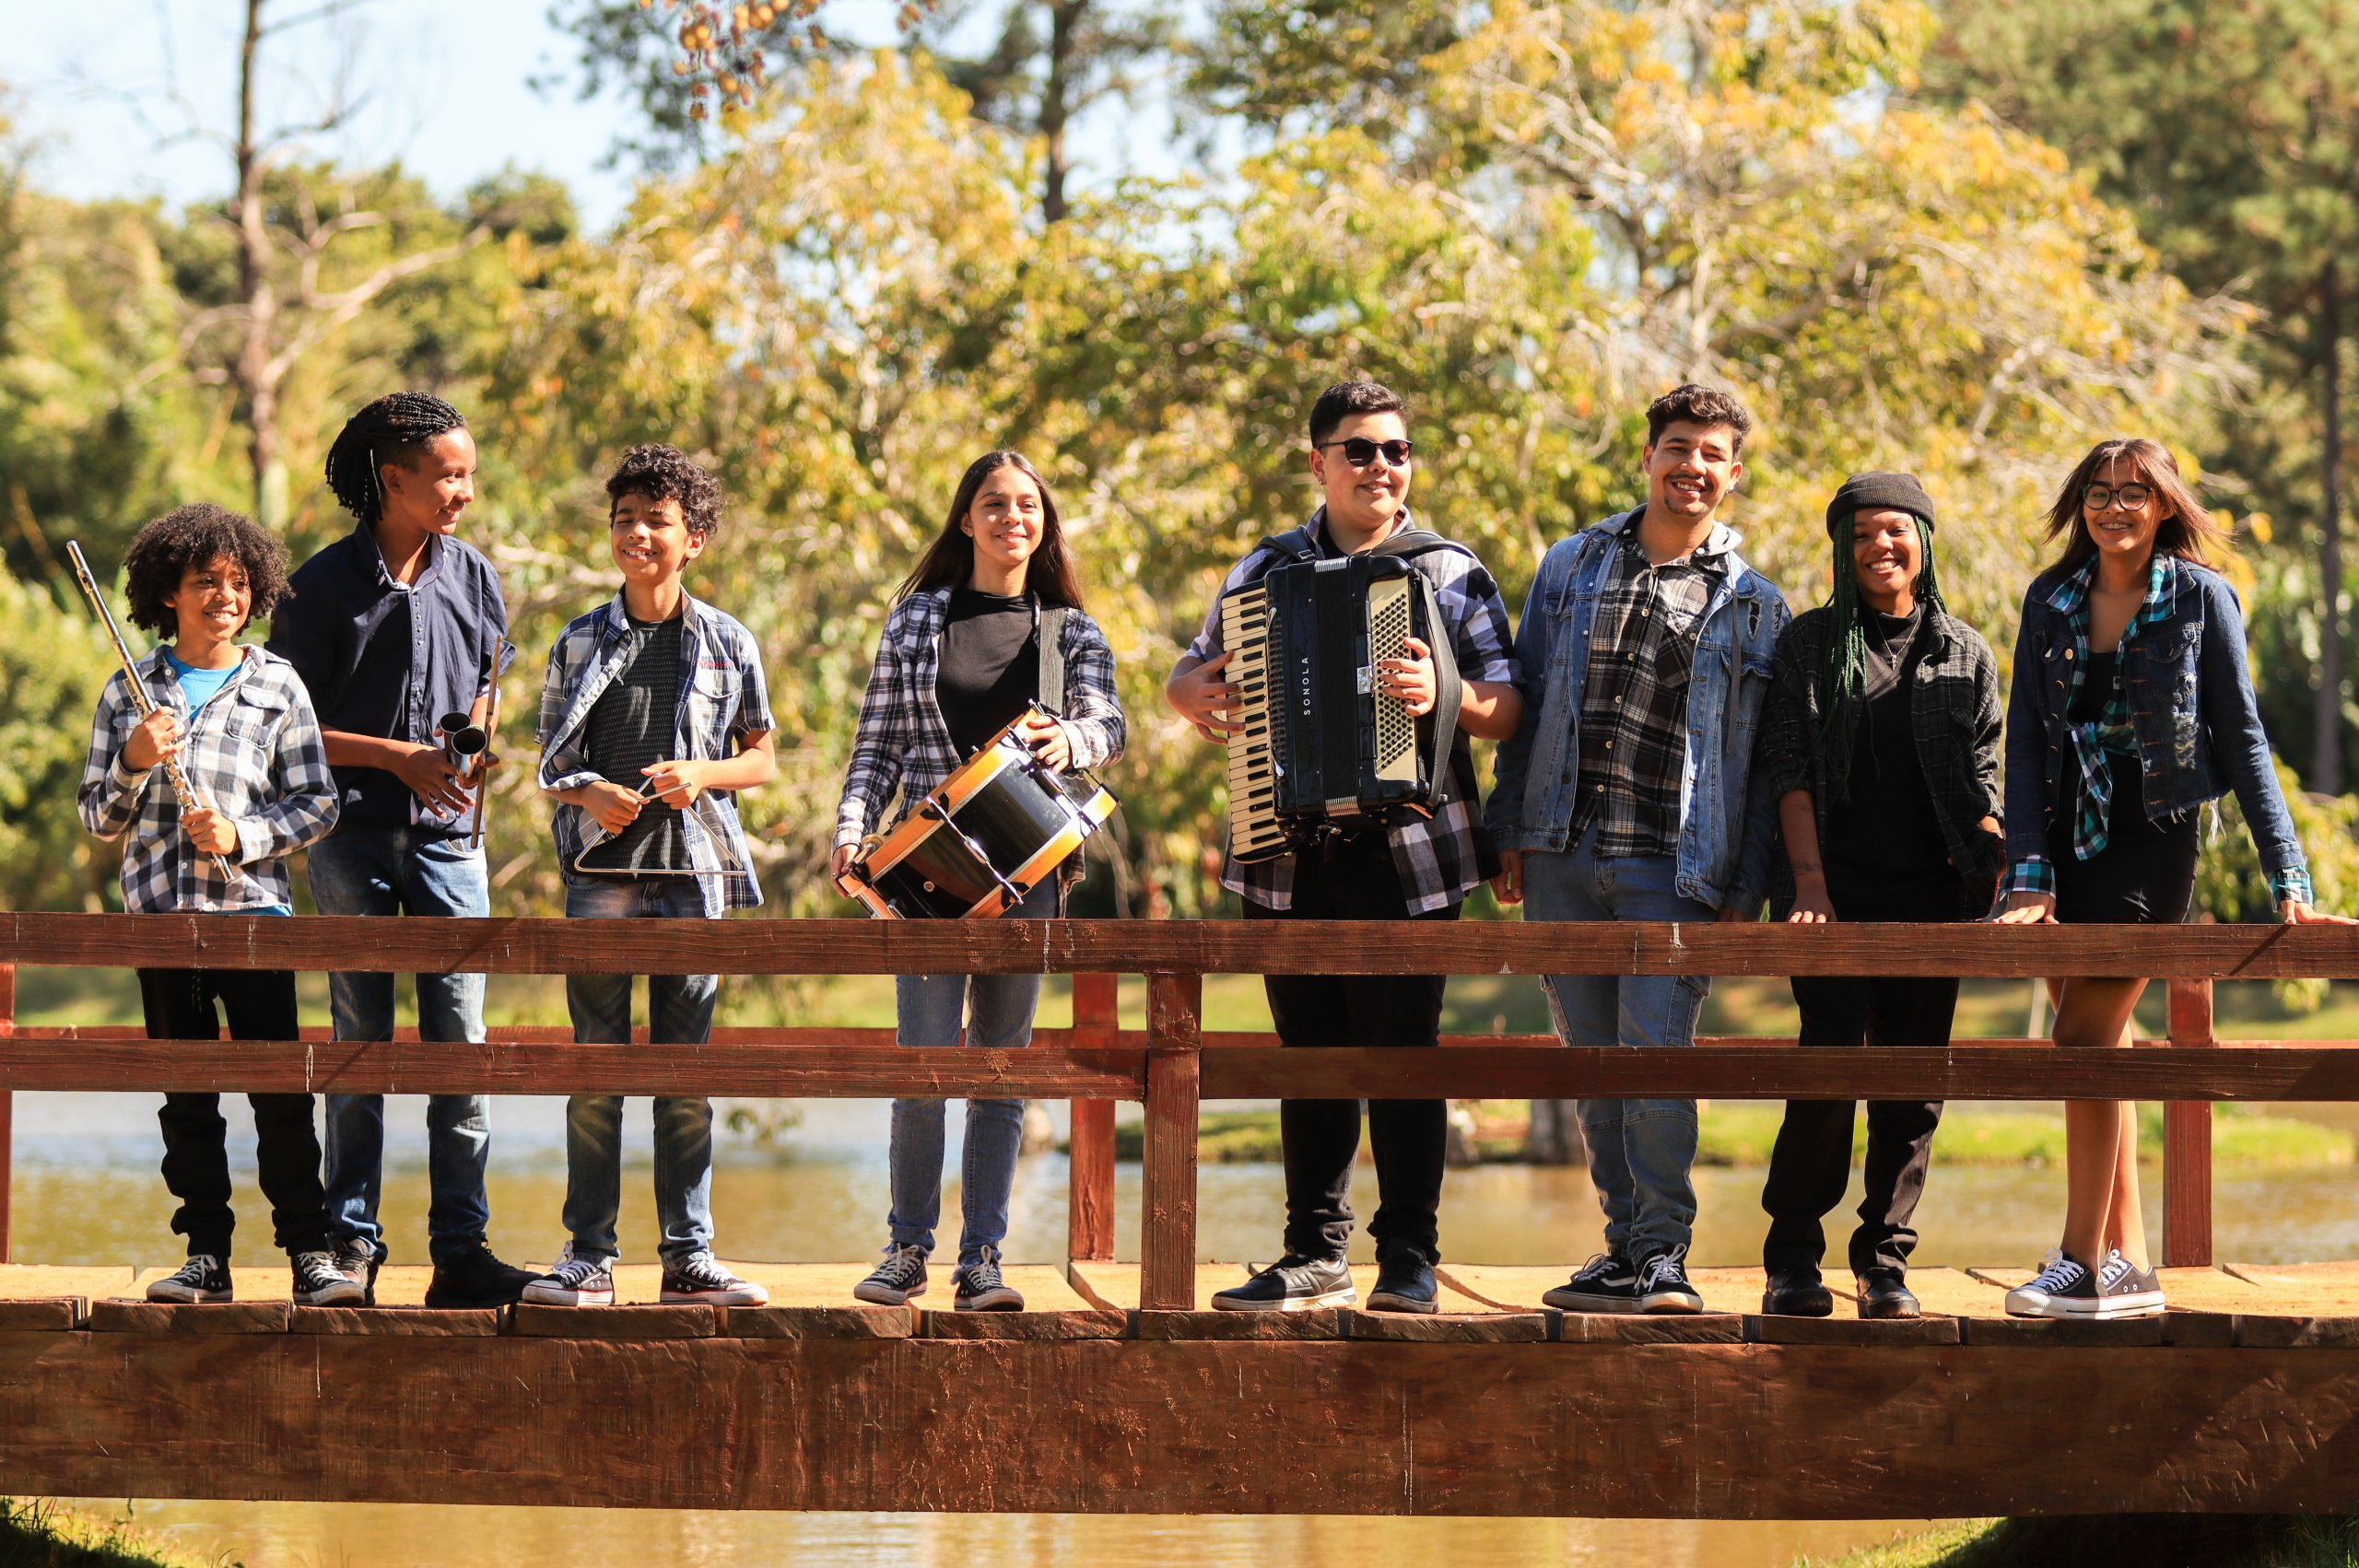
(292, 233)
(2231, 135)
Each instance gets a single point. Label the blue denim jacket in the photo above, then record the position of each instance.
(1729, 821)
(2191, 703)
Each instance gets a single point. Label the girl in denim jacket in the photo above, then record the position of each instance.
(2132, 708)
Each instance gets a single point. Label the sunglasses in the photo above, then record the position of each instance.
(1359, 452)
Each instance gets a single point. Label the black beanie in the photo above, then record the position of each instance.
(1878, 492)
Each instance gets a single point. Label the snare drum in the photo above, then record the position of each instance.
(989, 834)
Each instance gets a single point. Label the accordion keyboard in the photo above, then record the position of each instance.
(1253, 828)
(1388, 628)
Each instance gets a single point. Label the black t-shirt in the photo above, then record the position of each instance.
(1885, 833)
(990, 665)
(631, 726)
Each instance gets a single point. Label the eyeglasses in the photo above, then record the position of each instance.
(2097, 497)
(1359, 452)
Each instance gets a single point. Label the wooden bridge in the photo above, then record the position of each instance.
(1121, 1392)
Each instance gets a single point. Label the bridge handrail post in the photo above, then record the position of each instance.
(2187, 1139)
(1167, 1196)
(1089, 1179)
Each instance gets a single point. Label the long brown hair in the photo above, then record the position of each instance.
(2187, 533)
(949, 561)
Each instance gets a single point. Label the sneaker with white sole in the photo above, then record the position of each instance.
(1605, 1283)
(574, 1280)
(2116, 1288)
(204, 1278)
(2038, 1296)
(699, 1280)
(318, 1283)
(1294, 1283)
(895, 1281)
(982, 1288)
(1663, 1285)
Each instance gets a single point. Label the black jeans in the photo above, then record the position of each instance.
(1351, 879)
(1811, 1162)
(261, 1006)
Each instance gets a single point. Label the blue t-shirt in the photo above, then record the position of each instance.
(200, 686)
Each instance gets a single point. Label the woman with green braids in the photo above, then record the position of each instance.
(1880, 740)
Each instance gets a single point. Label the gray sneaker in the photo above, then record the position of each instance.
(1294, 1283)
(357, 1260)
(699, 1280)
(574, 1280)
(895, 1281)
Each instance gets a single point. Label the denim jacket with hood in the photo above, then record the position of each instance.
(1728, 818)
(2191, 704)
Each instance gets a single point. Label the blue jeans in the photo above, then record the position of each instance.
(1641, 1152)
(999, 1017)
(368, 870)
(679, 1012)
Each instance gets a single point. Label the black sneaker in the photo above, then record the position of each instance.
(1293, 1283)
(983, 1289)
(1404, 1283)
(357, 1260)
(574, 1280)
(318, 1283)
(895, 1281)
(1605, 1283)
(202, 1277)
(699, 1279)
(477, 1279)
(1663, 1285)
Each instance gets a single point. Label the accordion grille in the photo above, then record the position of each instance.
(1396, 732)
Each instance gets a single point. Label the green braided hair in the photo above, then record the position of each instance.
(1842, 668)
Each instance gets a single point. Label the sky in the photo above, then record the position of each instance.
(130, 98)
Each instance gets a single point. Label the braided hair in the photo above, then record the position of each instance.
(396, 427)
(1842, 668)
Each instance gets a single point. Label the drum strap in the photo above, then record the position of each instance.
(1049, 631)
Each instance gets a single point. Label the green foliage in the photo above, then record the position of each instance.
(34, 1534)
(54, 659)
(2231, 885)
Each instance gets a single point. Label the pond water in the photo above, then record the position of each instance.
(87, 1191)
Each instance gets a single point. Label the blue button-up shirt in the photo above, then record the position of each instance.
(389, 659)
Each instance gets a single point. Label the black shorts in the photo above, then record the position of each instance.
(2144, 876)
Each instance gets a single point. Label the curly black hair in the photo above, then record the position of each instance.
(394, 428)
(198, 535)
(664, 474)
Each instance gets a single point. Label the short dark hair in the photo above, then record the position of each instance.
(664, 474)
(196, 535)
(1345, 399)
(397, 427)
(1698, 405)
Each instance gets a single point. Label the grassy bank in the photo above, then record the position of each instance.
(35, 1534)
(2163, 1540)
(1738, 1132)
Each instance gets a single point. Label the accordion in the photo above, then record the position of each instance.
(1320, 745)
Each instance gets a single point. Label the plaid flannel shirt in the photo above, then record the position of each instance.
(723, 700)
(1438, 858)
(1634, 704)
(253, 754)
(902, 744)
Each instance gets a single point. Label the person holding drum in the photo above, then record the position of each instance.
(986, 633)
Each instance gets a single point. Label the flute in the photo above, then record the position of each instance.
(143, 701)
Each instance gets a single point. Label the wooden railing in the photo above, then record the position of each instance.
(1174, 1064)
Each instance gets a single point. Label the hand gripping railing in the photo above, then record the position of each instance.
(1173, 1064)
